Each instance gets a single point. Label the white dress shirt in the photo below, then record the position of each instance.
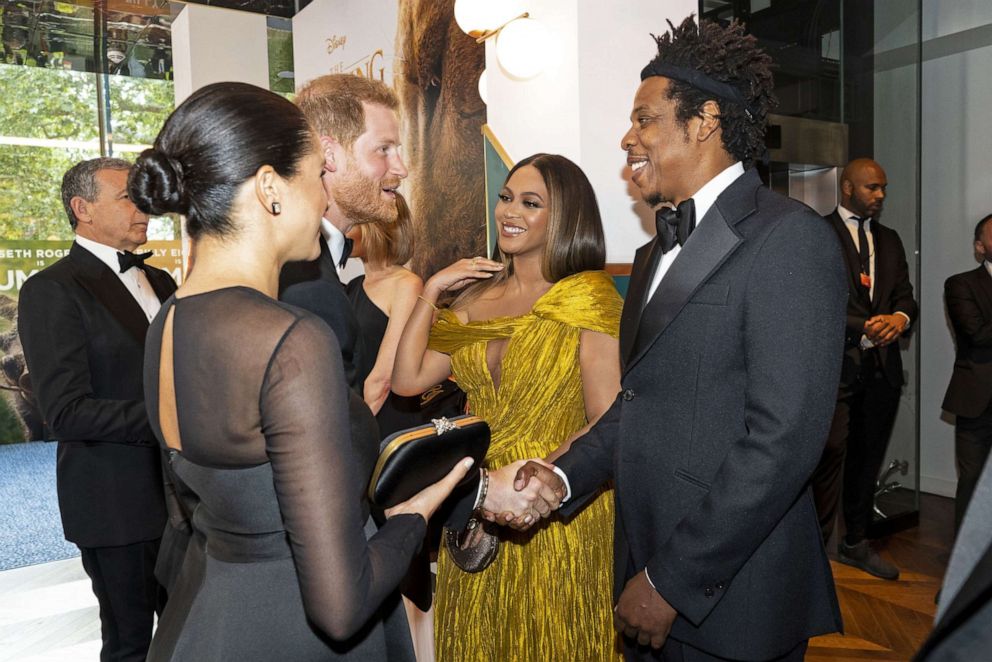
(134, 279)
(988, 267)
(335, 242)
(849, 218)
(703, 199)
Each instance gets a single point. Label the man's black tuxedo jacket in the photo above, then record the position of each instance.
(969, 306)
(83, 336)
(729, 382)
(315, 286)
(893, 293)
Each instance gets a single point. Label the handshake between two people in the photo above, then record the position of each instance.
(522, 493)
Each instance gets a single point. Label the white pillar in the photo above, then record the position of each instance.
(211, 45)
(345, 36)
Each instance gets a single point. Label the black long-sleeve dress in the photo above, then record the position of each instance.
(284, 563)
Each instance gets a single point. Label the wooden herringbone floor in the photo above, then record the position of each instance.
(889, 620)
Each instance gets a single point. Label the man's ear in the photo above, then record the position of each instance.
(81, 209)
(709, 116)
(980, 249)
(846, 187)
(332, 151)
(266, 189)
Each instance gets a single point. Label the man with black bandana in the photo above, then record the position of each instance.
(726, 396)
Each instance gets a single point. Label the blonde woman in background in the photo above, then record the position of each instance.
(383, 299)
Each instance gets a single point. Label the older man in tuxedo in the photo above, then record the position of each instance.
(726, 396)
(880, 308)
(82, 324)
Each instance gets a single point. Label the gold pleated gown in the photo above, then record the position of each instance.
(548, 595)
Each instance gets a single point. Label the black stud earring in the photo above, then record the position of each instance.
(276, 208)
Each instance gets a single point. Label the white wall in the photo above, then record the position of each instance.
(941, 17)
(956, 188)
(368, 31)
(896, 140)
(957, 192)
(580, 106)
(211, 45)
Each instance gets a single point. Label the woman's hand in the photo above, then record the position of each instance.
(460, 274)
(429, 499)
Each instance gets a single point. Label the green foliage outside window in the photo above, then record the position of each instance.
(48, 122)
(60, 106)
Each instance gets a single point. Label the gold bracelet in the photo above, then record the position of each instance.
(428, 302)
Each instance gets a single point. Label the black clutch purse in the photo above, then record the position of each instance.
(412, 459)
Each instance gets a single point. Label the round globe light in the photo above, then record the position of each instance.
(522, 48)
(484, 87)
(475, 17)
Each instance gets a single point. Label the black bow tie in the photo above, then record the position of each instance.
(127, 259)
(349, 243)
(675, 225)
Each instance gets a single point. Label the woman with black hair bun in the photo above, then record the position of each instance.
(248, 397)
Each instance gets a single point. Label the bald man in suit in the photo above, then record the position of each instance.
(879, 311)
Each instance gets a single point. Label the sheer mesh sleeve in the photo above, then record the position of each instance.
(304, 400)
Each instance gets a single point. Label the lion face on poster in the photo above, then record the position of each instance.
(437, 82)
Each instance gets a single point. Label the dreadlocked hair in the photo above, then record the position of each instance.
(730, 56)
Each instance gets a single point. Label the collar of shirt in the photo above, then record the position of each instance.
(334, 239)
(704, 198)
(847, 216)
(988, 267)
(104, 253)
(134, 280)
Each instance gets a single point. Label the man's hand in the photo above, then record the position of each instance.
(519, 496)
(884, 329)
(642, 614)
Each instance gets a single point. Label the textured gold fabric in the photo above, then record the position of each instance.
(548, 595)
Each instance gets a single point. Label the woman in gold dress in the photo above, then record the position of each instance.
(532, 339)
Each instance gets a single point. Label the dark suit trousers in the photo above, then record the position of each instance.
(855, 450)
(676, 651)
(124, 583)
(972, 440)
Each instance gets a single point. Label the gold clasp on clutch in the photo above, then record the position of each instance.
(442, 425)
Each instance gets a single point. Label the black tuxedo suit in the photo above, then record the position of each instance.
(893, 292)
(315, 286)
(969, 395)
(870, 385)
(715, 433)
(83, 336)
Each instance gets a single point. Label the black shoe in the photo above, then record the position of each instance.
(863, 557)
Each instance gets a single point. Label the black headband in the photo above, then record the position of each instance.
(700, 81)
